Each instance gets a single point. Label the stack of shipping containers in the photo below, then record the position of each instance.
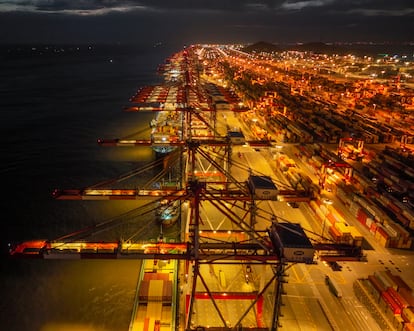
(390, 298)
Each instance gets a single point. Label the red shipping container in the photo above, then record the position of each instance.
(409, 327)
(335, 233)
(391, 303)
(399, 300)
(362, 216)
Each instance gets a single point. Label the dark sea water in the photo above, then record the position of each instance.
(54, 104)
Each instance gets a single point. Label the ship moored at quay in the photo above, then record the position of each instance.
(243, 209)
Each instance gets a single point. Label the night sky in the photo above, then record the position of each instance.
(205, 21)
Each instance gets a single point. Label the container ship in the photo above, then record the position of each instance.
(166, 129)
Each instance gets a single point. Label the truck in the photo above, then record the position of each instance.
(333, 286)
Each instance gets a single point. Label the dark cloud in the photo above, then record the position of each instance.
(206, 20)
(382, 7)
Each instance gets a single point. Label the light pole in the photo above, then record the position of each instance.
(323, 225)
(326, 202)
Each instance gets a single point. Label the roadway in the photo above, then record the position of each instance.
(307, 303)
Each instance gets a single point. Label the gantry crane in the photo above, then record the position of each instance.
(357, 147)
(334, 165)
(243, 242)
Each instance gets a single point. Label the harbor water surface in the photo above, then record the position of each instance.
(55, 103)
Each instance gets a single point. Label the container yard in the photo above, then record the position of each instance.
(388, 298)
(302, 179)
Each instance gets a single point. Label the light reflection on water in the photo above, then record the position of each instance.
(97, 294)
(53, 111)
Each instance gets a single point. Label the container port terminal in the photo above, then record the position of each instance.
(283, 194)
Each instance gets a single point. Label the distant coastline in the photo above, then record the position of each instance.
(357, 48)
(366, 48)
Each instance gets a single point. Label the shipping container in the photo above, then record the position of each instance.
(399, 300)
(362, 217)
(155, 289)
(373, 227)
(407, 295)
(398, 323)
(336, 235)
(409, 326)
(408, 314)
(403, 220)
(382, 279)
(399, 281)
(409, 214)
(143, 290)
(375, 287)
(390, 303)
